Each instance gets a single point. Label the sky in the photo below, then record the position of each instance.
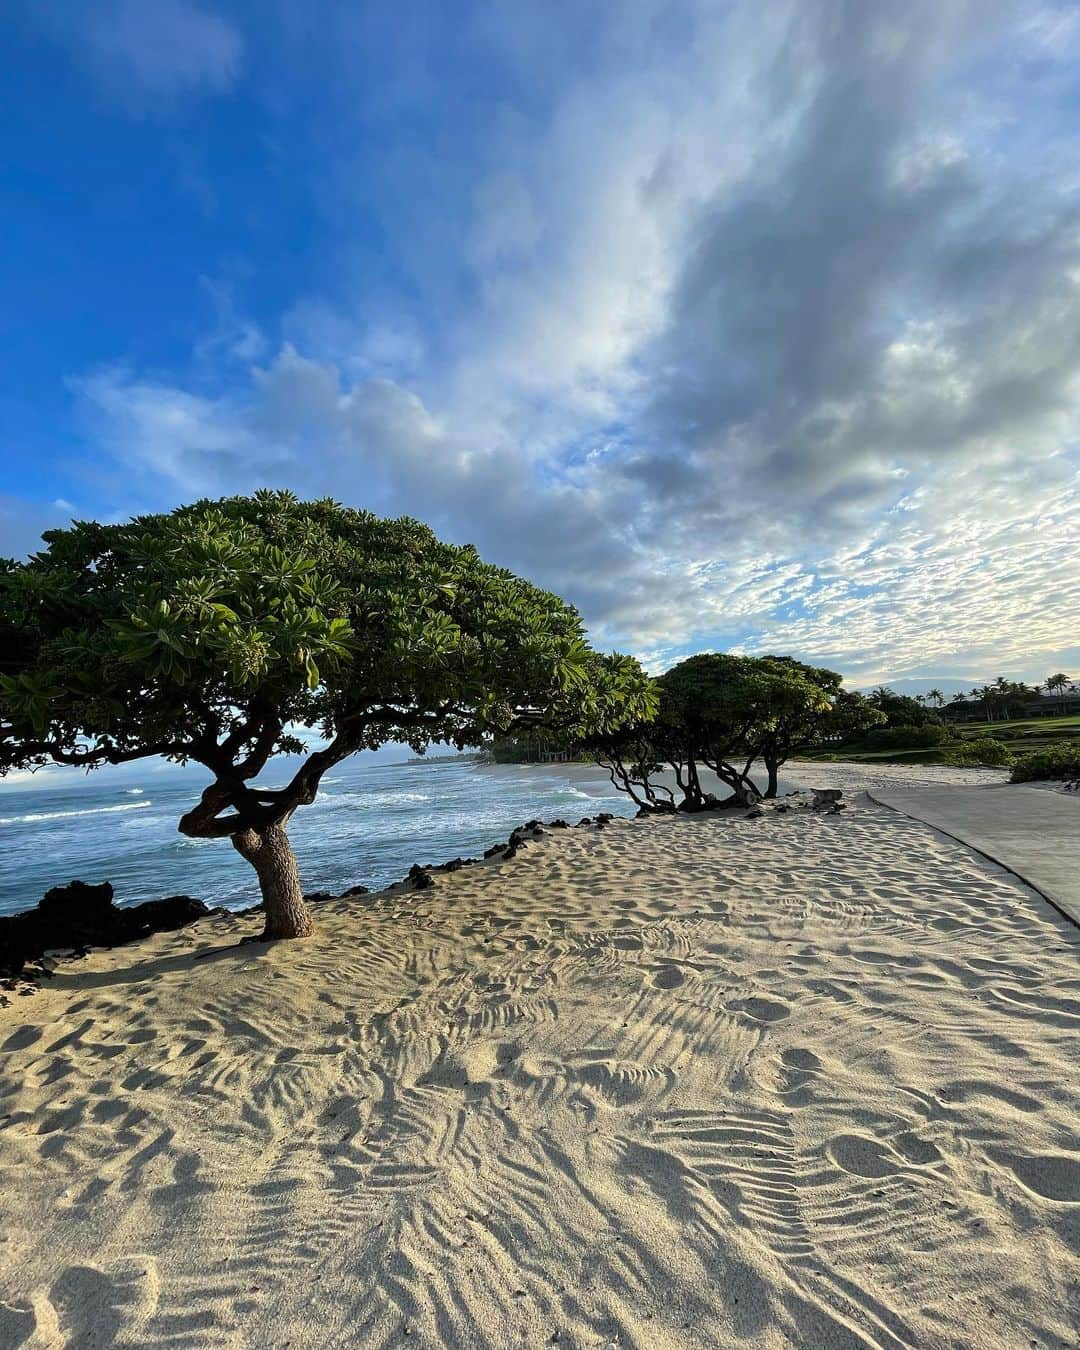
(743, 326)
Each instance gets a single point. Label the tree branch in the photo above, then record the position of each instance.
(92, 758)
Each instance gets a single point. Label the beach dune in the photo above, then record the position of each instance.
(706, 1081)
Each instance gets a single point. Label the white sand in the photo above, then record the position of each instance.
(684, 1082)
(797, 775)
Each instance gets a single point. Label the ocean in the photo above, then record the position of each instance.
(370, 823)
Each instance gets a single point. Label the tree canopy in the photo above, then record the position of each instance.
(723, 713)
(900, 710)
(220, 632)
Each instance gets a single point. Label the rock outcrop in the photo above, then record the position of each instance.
(82, 915)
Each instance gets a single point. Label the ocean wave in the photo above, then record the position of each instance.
(373, 799)
(134, 792)
(64, 815)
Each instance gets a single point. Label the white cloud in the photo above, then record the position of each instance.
(744, 330)
(146, 50)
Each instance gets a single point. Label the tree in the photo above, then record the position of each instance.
(633, 755)
(1002, 699)
(984, 696)
(723, 713)
(216, 633)
(808, 706)
(936, 697)
(1056, 684)
(899, 709)
(716, 706)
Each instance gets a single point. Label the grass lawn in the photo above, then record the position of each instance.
(1052, 728)
(1022, 737)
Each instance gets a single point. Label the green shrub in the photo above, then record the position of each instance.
(1055, 762)
(981, 752)
(926, 737)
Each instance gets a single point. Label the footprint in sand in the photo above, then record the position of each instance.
(667, 977)
(873, 1159)
(916, 1150)
(964, 1090)
(469, 1065)
(761, 1009)
(799, 1069)
(1054, 1176)
(863, 1157)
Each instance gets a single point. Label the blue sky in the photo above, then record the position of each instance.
(743, 326)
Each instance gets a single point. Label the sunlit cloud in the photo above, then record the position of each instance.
(759, 329)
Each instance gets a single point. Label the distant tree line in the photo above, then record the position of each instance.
(996, 701)
(1003, 699)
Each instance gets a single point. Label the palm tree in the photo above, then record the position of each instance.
(936, 697)
(1001, 692)
(985, 695)
(1056, 684)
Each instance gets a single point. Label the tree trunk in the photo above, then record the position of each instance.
(774, 778)
(271, 855)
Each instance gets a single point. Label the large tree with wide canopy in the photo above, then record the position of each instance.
(226, 633)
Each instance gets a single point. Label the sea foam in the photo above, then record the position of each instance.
(63, 815)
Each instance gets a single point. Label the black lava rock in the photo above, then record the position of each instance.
(80, 915)
(162, 916)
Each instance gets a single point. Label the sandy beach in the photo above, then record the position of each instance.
(795, 1081)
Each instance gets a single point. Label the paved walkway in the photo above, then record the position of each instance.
(1032, 832)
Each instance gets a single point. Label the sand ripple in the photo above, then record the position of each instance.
(703, 1082)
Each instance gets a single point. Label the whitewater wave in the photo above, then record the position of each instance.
(133, 792)
(64, 815)
(373, 799)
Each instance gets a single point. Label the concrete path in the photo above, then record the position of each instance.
(1030, 831)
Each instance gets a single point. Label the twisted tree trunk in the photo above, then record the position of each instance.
(270, 853)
